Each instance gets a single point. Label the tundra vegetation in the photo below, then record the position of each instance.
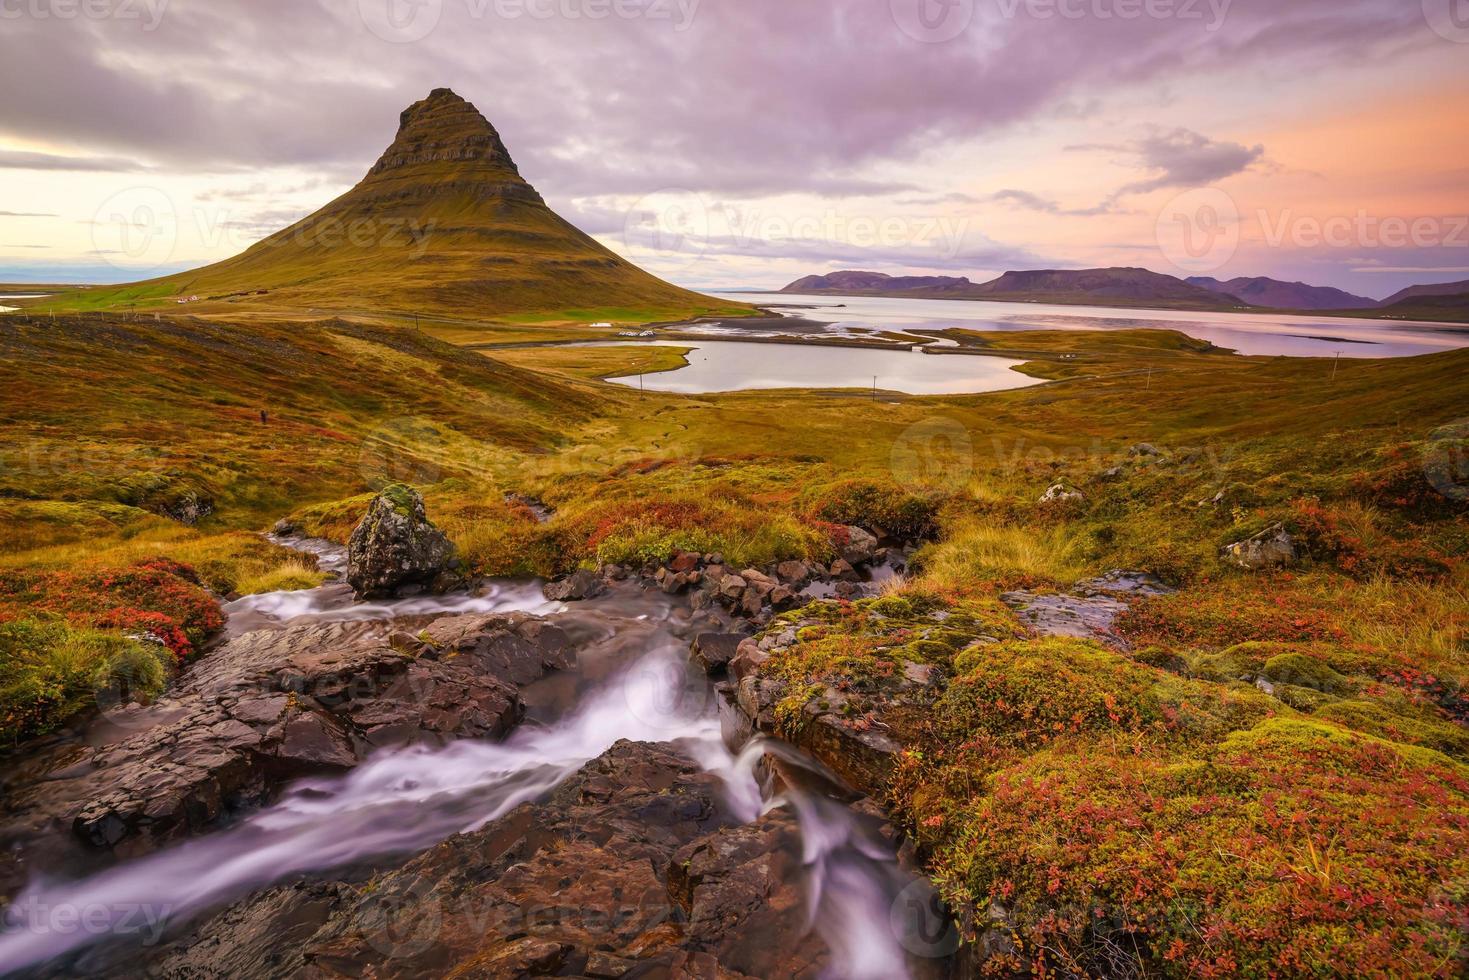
(1268, 774)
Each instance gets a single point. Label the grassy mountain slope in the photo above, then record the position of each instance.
(142, 415)
(1433, 289)
(443, 222)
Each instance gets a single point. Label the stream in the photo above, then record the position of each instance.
(633, 680)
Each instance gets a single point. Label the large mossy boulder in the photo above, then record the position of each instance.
(397, 548)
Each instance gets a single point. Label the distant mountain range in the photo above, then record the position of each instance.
(1120, 286)
(859, 281)
(1111, 287)
(1264, 291)
(1438, 292)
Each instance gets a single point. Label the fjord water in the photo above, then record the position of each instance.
(721, 365)
(12, 309)
(1248, 333)
(632, 680)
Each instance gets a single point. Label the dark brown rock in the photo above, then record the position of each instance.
(858, 545)
(793, 572)
(684, 561)
(580, 584)
(396, 546)
(627, 869)
(714, 651)
(270, 706)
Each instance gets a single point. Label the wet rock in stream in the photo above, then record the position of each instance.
(267, 707)
(629, 868)
(396, 547)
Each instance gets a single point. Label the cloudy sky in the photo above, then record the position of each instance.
(742, 143)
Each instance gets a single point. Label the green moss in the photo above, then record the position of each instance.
(1401, 724)
(400, 497)
(892, 606)
(50, 671)
(1034, 692)
(1304, 699)
(1299, 670)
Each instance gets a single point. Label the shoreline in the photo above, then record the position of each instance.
(1459, 325)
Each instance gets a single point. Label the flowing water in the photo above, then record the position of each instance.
(633, 680)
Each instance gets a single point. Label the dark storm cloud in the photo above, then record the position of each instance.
(741, 97)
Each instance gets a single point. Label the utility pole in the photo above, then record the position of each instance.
(1334, 363)
(874, 388)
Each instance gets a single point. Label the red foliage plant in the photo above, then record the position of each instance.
(159, 597)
